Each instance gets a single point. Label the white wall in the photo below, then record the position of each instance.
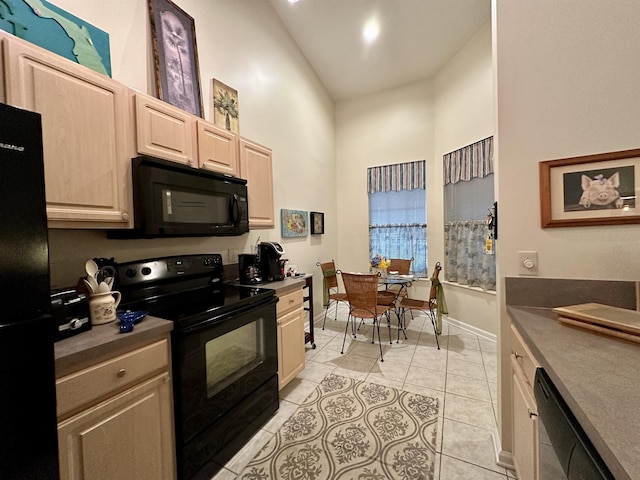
(423, 120)
(282, 105)
(567, 85)
(464, 114)
(392, 126)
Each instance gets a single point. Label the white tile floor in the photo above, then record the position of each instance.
(462, 374)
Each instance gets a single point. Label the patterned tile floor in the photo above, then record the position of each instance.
(462, 375)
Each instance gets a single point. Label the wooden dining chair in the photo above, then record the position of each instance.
(362, 295)
(331, 289)
(430, 306)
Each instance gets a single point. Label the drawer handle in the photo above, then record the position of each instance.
(517, 355)
(531, 414)
(291, 300)
(121, 373)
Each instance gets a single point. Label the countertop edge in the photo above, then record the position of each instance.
(554, 362)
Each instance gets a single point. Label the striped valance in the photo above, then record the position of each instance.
(396, 177)
(472, 161)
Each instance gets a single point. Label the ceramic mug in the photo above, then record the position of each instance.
(103, 307)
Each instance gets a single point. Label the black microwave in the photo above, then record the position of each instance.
(174, 200)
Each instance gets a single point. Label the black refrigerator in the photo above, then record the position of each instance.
(28, 433)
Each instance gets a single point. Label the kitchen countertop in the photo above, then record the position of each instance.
(282, 286)
(104, 341)
(597, 376)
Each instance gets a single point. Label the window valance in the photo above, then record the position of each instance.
(396, 177)
(472, 161)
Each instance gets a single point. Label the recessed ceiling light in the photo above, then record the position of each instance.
(294, 1)
(371, 30)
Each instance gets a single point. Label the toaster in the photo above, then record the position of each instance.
(70, 312)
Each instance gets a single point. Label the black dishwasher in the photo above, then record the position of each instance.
(565, 451)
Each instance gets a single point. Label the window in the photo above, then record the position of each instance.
(398, 213)
(469, 200)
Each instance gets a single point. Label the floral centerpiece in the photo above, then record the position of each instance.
(379, 264)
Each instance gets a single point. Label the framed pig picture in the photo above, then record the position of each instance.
(597, 189)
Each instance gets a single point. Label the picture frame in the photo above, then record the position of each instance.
(294, 223)
(317, 223)
(175, 56)
(224, 105)
(599, 189)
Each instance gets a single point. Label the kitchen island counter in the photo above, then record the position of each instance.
(597, 376)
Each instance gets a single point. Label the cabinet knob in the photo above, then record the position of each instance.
(121, 373)
(291, 300)
(125, 216)
(531, 414)
(517, 355)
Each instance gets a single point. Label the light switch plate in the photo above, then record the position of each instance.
(528, 263)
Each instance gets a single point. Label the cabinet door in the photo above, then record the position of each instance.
(85, 122)
(525, 429)
(164, 131)
(217, 149)
(128, 437)
(290, 346)
(256, 168)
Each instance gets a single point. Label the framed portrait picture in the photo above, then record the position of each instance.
(225, 107)
(175, 56)
(295, 223)
(597, 189)
(317, 223)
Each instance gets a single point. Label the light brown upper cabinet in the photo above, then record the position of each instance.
(85, 126)
(165, 131)
(256, 168)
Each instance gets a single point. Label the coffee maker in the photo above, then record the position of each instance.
(248, 269)
(269, 254)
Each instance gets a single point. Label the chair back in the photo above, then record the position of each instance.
(401, 265)
(362, 290)
(435, 282)
(329, 274)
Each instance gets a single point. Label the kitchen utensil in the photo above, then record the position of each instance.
(91, 268)
(128, 319)
(103, 287)
(89, 287)
(104, 273)
(93, 283)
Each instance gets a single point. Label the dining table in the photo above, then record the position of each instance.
(405, 282)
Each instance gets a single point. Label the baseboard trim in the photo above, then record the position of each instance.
(503, 458)
(471, 329)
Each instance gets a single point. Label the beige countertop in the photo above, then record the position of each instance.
(105, 341)
(597, 376)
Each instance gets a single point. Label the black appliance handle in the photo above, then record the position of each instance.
(207, 323)
(234, 210)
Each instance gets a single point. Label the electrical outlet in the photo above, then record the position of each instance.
(233, 255)
(528, 263)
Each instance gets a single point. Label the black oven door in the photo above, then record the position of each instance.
(565, 451)
(220, 362)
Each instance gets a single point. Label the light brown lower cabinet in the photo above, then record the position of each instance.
(524, 409)
(115, 418)
(290, 318)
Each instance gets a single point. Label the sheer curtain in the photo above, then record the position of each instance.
(468, 180)
(397, 213)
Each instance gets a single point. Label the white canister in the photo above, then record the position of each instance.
(103, 307)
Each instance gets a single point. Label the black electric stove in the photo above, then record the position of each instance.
(224, 354)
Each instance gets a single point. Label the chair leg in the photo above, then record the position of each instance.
(377, 324)
(325, 313)
(346, 328)
(389, 325)
(432, 317)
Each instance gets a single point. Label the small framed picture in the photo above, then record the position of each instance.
(597, 189)
(225, 106)
(317, 223)
(295, 223)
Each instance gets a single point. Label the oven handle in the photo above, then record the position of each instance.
(239, 311)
